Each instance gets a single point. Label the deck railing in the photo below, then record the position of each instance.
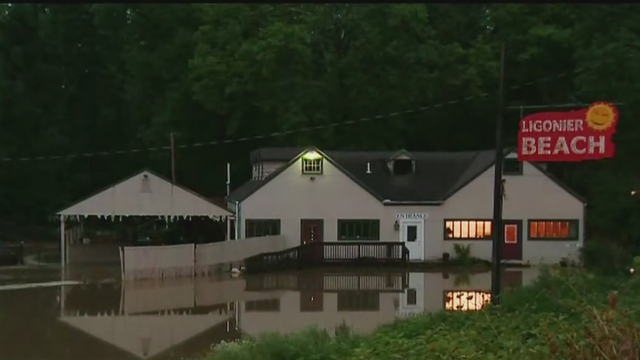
(321, 253)
(329, 281)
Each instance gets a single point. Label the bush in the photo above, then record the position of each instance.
(310, 344)
(606, 256)
(463, 253)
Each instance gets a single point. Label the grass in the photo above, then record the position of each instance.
(567, 314)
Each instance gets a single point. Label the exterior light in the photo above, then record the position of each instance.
(396, 226)
(633, 192)
(311, 155)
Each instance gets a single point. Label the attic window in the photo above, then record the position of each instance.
(402, 166)
(511, 166)
(312, 163)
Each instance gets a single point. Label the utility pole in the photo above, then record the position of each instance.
(497, 192)
(173, 160)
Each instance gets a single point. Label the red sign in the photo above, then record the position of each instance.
(578, 135)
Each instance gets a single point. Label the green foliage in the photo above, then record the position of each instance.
(606, 256)
(311, 344)
(463, 253)
(567, 314)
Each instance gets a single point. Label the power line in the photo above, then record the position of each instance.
(282, 133)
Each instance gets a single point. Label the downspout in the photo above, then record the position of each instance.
(228, 237)
(238, 221)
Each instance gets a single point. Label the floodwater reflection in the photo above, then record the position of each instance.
(178, 318)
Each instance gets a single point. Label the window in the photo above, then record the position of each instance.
(312, 163)
(467, 229)
(272, 305)
(359, 301)
(412, 233)
(466, 300)
(511, 166)
(255, 228)
(402, 166)
(553, 229)
(311, 301)
(412, 297)
(358, 229)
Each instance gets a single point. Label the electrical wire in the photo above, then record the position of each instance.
(281, 133)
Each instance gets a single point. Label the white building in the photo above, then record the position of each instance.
(430, 201)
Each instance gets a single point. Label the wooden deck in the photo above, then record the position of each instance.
(323, 253)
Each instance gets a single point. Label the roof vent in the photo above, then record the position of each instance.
(368, 168)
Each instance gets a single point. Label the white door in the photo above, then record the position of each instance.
(412, 234)
(412, 299)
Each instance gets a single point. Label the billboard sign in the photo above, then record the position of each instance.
(570, 136)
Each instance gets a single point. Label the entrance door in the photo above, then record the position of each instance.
(311, 231)
(512, 245)
(412, 234)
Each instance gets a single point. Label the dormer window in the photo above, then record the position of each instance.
(401, 163)
(402, 166)
(312, 163)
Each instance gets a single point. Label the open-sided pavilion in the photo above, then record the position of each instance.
(144, 194)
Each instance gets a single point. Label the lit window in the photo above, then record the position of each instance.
(467, 229)
(553, 229)
(466, 300)
(312, 163)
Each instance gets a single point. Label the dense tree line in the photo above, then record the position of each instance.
(102, 77)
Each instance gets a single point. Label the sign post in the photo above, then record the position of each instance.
(497, 193)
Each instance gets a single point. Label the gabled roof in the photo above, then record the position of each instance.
(438, 175)
(145, 335)
(125, 198)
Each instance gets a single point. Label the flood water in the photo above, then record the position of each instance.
(104, 318)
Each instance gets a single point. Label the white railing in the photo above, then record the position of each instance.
(149, 262)
(208, 256)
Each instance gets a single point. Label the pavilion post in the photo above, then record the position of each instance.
(63, 243)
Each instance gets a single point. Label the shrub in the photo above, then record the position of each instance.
(311, 343)
(463, 253)
(605, 256)
(608, 334)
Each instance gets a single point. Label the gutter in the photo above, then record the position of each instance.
(407, 203)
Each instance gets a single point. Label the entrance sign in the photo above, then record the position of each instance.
(411, 216)
(570, 136)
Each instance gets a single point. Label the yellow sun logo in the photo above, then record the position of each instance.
(601, 116)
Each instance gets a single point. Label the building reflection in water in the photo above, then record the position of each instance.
(178, 318)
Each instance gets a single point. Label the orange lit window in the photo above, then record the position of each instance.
(467, 229)
(553, 229)
(466, 300)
